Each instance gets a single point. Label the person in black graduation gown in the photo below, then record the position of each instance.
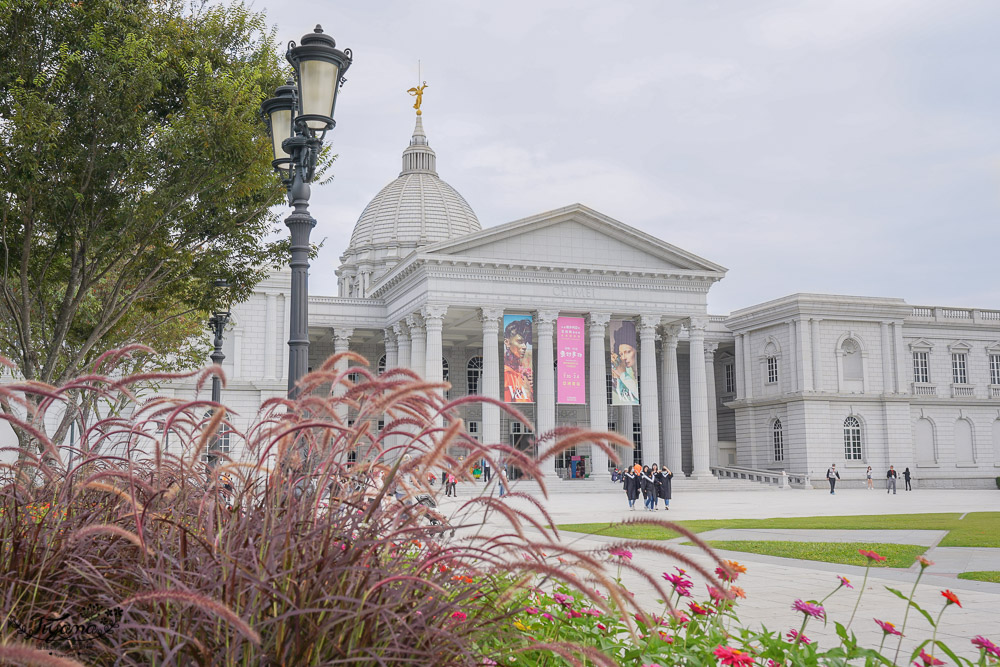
(657, 482)
(664, 488)
(646, 484)
(630, 482)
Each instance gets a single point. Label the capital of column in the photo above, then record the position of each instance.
(342, 335)
(490, 314)
(546, 321)
(597, 322)
(415, 323)
(698, 323)
(400, 329)
(671, 334)
(710, 349)
(390, 336)
(647, 324)
(434, 313)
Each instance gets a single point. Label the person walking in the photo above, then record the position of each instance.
(868, 474)
(890, 480)
(906, 478)
(833, 476)
(657, 483)
(487, 472)
(665, 477)
(646, 484)
(502, 482)
(631, 485)
(449, 487)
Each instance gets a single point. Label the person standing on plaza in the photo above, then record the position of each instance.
(890, 480)
(832, 475)
(868, 474)
(906, 478)
(449, 487)
(657, 484)
(630, 482)
(646, 484)
(502, 482)
(665, 477)
(487, 472)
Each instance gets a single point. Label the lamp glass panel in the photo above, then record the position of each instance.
(318, 86)
(281, 129)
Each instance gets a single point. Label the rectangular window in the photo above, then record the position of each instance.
(473, 429)
(959, 368)
(779, 444)
(220, 446)
(921, 372)
(772, 370)
(995, 369)
(730, 374)
(609, 386)
(637, 439)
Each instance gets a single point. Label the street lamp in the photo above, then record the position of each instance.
(217, 325)
(298, 118)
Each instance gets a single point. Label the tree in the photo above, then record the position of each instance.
(134, 170)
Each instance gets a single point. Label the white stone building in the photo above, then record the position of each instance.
(788, 385)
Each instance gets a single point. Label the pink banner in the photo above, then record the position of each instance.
(570, 360)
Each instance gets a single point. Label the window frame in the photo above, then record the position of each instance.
(853, 439)
(772, 369)
(960, 367)
(994, 364)
(922, 362)
(778, 440)
(474, 376)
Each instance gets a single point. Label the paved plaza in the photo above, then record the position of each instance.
(772, 583)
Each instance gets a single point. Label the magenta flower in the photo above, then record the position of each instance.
(592, 611)
(622, 553)
(572, 613)
(871, 555)
(887, 627)
(796, 638)
(844, 581)
(460, 615)
(929, 660)
(562, 599)
(548, 616)
(985, 644)
(813, 610)
(532, 610)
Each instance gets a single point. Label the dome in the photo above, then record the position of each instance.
(415, 210)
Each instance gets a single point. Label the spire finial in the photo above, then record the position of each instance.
(418, 92)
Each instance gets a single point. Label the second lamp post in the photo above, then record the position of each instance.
(298, 118)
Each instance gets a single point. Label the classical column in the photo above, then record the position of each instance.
(489, 385)
(649, 399)
(545, 383)
(713, 418)
(433, 324)
(802, 331)
(793, 358)
(341, 344)
(391, 348)
(738, 366)
(814, 342)
(672, 456)
(901, 361)
(699, 399)
(418, 344)
(748, 385)
(402, 344)
(886, 346)
(597, 331)
(270, 337)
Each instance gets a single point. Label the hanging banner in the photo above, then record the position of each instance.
(570, 360)
(624, 363)
(517, 379)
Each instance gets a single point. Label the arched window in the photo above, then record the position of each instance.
(380, 367)
(445, 376)
(852, 439)
(474, 375)
(778, 438)
(923, 441)
(965, 446)
(853, 363)
(771, 363)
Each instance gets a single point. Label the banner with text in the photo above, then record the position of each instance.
(570, 360)
(624, 363)
(517, 379)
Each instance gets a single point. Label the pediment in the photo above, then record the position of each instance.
(921, 344)
(959, 346)
(575, 235)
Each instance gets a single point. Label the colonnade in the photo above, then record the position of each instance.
(415, 342)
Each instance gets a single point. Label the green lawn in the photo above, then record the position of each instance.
(985, 575)
(977, 529)
(896, 555)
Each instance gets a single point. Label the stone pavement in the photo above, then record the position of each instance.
(772, 583)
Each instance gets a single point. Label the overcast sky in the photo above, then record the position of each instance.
(848, 147)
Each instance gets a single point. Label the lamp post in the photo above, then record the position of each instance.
(298, 118)
(217, 325)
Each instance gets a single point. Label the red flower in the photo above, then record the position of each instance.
(887, 627)
(796, 638)
(698, 609)
(871, 555)
(952, 598)
(732, 656)
(602, 626)
(928, 660)
(460, 615)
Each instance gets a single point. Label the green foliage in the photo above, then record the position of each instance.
(982, 575)
(134, 170)
(845, 553)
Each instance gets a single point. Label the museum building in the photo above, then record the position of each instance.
(788, 385)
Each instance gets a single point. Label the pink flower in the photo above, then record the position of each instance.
(844, 581)
(532, 610)
(726, 575)
(679, 616)
(622, 553)
(718, 596)
(573, 613)
(698, 609)
(592, 611)
(548, 616)
(887, 627)
(928, 660)
(602, 626)
(562, 599)
(985, 644)
(665, 637)
(732, 656)
(871, 555)
(796, 638)
(813, 610)
(924, 562)
(681, 585)
(460, 615)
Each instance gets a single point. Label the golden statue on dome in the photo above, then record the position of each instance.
(418, 92)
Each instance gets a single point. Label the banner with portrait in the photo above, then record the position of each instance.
(624, 367)
(570, 388)
(518, 385)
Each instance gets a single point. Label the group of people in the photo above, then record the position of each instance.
(832, 475)
(652, 482)
(449, 480)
